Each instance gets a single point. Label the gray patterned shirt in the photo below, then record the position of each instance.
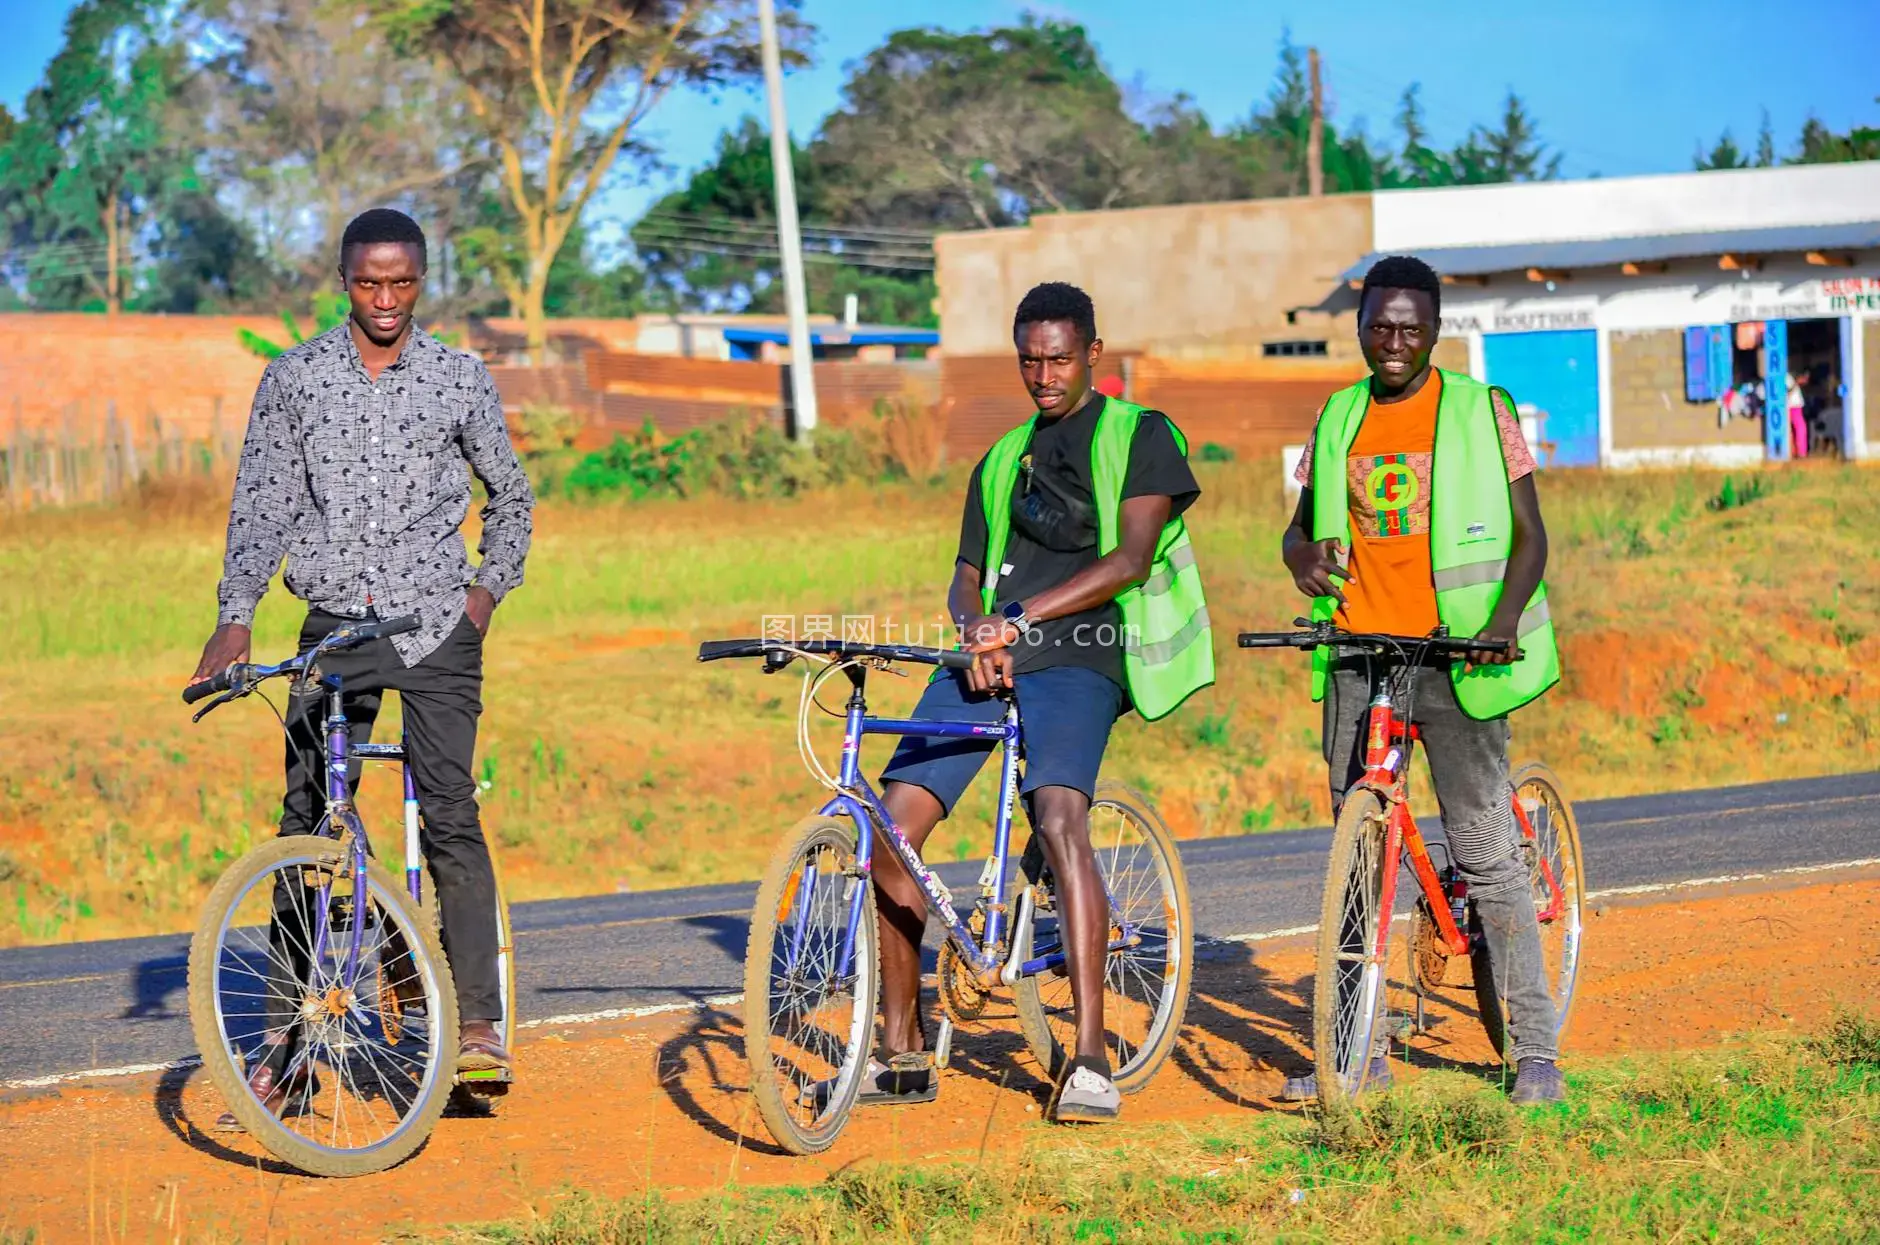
(361, 485)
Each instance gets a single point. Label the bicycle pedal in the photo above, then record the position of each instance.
(487, 1082)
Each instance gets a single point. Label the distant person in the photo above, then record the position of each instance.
(1064, 515)
(352, 468)
(1365, 535)
(1798, 417)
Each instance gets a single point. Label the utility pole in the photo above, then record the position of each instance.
(1315, 136)
(789, 239)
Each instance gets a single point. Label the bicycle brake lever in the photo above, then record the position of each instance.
(232, 693)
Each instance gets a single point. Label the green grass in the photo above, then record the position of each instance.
(1774, 1139)
(1701, 646)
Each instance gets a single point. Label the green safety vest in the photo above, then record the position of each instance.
(1471, 536)
(1168, 647)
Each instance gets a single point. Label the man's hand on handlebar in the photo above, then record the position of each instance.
(228, 645)
(1315, 569)
(988, 636)
(1496, 633)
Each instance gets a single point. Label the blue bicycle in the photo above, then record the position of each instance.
(313, 957)
(810, 970)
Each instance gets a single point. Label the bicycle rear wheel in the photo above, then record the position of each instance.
(273, 975)
(1145, 984)
(1551, 845)
(810, 986)
(1348, 988)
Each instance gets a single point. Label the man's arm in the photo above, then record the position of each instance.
(270, 494)
(1141, 520)
(1527, 563)
(1313, 563)
(508, 519)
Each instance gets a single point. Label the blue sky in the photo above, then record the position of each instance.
(1619, 87)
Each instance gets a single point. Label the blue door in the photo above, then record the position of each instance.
(1557, 373)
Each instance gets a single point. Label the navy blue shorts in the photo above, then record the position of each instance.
(1065, 712)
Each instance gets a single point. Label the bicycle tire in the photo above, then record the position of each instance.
(1561, 939)
(219, 1059)
(828, 845)
(1348, 1004)
(1044, 1009)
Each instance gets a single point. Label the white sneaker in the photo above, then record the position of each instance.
(1087, 1095)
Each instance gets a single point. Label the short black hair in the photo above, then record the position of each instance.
(1404, 272)
(375, 225)
(1057, 300)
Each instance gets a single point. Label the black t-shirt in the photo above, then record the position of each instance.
(1054, 530)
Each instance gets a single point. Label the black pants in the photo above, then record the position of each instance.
(441, 698)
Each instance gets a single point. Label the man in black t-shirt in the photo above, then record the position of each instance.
(1055, 640)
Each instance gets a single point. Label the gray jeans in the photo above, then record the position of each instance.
(1469, 763)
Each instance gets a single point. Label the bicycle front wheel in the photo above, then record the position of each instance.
(1550, 844)
(810, 982)
(1348, 988)
(292, 963)
(1150, 964)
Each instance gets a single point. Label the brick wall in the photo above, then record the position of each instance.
(1648, 406)
(60, 367)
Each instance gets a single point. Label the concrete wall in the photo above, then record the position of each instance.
(1207, 280)
(1648, 406)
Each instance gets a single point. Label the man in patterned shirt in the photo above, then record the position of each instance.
(1386, 584)
(353, 469)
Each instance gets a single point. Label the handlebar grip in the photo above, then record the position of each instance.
(219, 682)
(956, 659)
(1259, 639)
(397, 626)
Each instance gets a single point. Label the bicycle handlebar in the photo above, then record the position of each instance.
(786, 650)
(1324, 634)
(350, 635)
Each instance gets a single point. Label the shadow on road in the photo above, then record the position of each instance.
(1243, 1019)
(709, 1054)
(197, 1134)
(152, 984)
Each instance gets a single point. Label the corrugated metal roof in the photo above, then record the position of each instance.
(1481, 261)
(841, 335)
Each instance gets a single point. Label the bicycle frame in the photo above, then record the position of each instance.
(1389, 742)
(861, 805)
(340, 809)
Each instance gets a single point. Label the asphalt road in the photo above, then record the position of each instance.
(121, 1004)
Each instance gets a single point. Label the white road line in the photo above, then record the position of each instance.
(90, 1074)
(730, 1000)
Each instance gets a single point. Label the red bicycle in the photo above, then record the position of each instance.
(1375, 830)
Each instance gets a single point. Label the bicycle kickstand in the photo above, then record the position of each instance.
(943, 1043)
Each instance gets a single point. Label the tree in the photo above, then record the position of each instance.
(711, 245)
(1724, 155)
(1511, 152)
(1821, 145)
(560, 88)
(945, 130)
(313, 119)
(93, 152)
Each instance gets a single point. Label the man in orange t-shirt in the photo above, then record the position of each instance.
(1384, 583)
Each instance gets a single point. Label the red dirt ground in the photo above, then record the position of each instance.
(614, 1108)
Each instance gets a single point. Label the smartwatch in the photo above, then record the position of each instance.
(1014, 613)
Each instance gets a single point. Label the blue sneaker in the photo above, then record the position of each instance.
(1306, 1088)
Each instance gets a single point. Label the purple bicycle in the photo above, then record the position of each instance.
(312, 957)
(810, 968)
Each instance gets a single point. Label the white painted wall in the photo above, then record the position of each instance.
(1670, 300)
(1823, 194)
